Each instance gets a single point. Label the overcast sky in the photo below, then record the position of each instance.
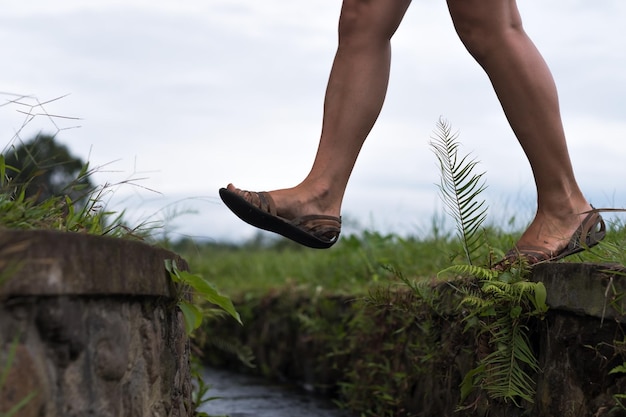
(182, 97)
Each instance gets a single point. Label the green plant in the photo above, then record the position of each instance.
(459, 189)
(353, 266)
(620, 399)
(500, 310)
(195, 290)
(498, 304)
(200, 395)
(194, 293)
(611, 249)
(87, 214)
(44, 168)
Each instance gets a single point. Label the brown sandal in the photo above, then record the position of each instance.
(590, 232)
(317, 231)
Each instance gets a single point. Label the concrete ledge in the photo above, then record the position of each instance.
(584, 288)
(56, 263)
(94, 328)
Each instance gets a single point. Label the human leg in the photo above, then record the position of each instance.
(354, 97)
(492, 32)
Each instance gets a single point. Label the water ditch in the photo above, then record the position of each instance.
(247, 396)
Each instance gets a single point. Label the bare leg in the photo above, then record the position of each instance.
(492, 32)
(354, 97)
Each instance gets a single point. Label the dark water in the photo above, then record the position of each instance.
(246, 396)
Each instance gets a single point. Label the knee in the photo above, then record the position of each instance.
(369, 20)
(355, 21)
(482, 31)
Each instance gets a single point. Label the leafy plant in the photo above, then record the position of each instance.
(459, 189)
(501, 309)
(201, 290)
(497, 303)
(620, 399)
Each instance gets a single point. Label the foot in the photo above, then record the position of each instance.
(291, 203)
(552, 237)
(259, 209)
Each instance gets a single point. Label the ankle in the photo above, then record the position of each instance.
(563, 206)
(320, 193)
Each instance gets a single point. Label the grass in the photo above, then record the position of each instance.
(89, 215)
(356, 263)
(351, 266)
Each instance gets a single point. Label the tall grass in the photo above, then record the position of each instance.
(89, 214)
(356, 262)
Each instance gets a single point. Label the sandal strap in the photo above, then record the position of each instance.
(267, 202)
(591, 231)
(532, 254)
(262, 200)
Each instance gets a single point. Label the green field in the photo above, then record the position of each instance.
(356, 262)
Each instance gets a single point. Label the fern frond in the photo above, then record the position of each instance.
(506, 376)
(469, 270)
(460, 187)
(513, 292)
(508, 371)
(476, 303)
(497, 303)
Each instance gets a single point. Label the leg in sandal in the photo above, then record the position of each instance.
(493, 34)
(354, 97)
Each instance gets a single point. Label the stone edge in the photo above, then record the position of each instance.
(48, 263)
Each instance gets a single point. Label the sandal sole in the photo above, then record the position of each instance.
(266, 221)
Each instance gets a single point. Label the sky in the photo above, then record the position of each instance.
(171, 100)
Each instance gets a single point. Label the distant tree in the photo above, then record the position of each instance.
(47, 169)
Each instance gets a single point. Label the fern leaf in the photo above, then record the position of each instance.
(469, 270)
(506, 367)
(459, 188)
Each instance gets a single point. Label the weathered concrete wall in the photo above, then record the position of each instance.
(581, 340)
(94, 327)
(413, 361)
